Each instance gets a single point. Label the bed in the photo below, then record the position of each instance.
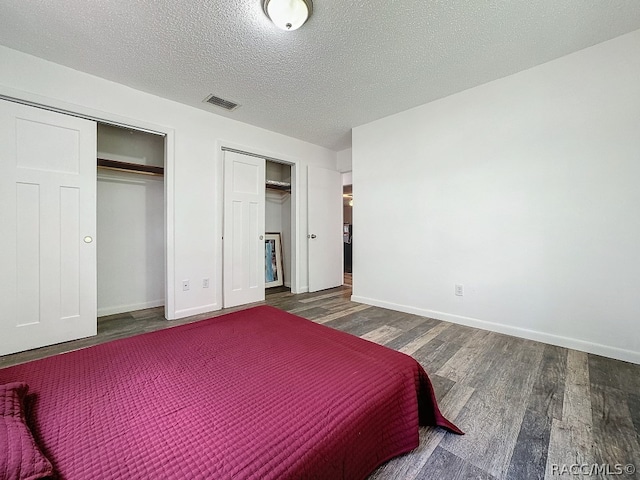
(259, 393)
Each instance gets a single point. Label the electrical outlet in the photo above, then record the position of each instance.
(205, 283)
(185, 285)
(459, 290)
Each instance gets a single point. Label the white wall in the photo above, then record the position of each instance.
(194, 173)
(273, 212)
(344, 160)
(130, 245)
(525, 190)
(131, 146)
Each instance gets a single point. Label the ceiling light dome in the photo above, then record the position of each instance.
(288, 14)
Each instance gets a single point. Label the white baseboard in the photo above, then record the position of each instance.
(103, 312)
(567, 342)
(187, 312)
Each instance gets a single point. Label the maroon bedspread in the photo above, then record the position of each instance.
(259, 393)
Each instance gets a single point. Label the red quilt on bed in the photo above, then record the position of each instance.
(259, 393)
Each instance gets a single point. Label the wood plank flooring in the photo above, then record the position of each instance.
(527, 408)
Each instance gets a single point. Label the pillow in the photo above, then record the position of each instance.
(21, 459)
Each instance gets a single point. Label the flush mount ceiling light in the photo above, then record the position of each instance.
(288, 14)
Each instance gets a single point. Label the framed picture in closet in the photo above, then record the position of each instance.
(273, 273)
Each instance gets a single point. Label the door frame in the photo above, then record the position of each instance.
(221, 145)
(47, 103)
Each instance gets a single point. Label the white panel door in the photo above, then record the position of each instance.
(243, 246)
(325, 228)
(48, 218)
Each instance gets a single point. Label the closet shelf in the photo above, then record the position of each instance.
(130, 167)
(277, 185)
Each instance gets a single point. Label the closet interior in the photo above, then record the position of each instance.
(130, 220)
(278, 210)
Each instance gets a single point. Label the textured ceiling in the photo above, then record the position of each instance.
(353, 62)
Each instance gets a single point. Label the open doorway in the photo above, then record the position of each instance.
(130, 221)
(278, 245)
(347, 232)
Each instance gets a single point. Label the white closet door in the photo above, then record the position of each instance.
(244, 207)
(325, 229)
(48, 218)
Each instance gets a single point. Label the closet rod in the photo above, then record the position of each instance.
(130, 167)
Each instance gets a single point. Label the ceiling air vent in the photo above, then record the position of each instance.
(221, 102)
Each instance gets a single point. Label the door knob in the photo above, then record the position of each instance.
(261, 237)
(88, 239)
(313, 235)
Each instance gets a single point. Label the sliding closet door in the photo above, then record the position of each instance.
(243, 246)
(48, 218)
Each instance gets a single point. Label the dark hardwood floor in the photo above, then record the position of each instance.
(529, 410)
